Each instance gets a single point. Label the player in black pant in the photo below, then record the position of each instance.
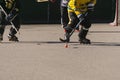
(64, 13)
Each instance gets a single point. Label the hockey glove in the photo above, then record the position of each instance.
(90, 7)
(81, 16)
(12, 15)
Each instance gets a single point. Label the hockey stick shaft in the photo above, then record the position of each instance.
(10, 21)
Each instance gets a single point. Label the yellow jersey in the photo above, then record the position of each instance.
(79, 6)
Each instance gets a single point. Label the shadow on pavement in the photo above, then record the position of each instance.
(102, 44)
(74, 43)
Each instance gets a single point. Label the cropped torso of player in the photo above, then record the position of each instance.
(79, 5)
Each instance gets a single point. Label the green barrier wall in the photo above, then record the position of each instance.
(33, 12)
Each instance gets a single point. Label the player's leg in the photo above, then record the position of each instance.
(64, 16)
(16, 21)
(71, 25)
(2, 24)
(12, 35)
(86, 24)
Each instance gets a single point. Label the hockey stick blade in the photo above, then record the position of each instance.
(62, 40)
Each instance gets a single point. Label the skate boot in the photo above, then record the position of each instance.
(84, 41)
(67, 37)
(82, 37)
(12, 38)
(68, 30)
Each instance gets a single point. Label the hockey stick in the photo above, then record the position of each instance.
(80, 20)
(9, 21)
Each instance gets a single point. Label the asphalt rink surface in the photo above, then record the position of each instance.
(39, 55)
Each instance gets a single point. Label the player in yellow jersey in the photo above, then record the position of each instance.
(76, 8)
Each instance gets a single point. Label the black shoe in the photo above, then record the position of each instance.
(13, 38)
(67, 39)
(11, 16)
(85, 41)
